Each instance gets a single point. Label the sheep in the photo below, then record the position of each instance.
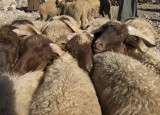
(74, 9)
(60, 26)
(48, 9)
(93, 10)
(125, 86)
(79, 46)
(124, 41)
(66, 90)
(77, 10)
(9, 48)
(25, 28)
(17, 90)
(10, 41)
(35, 54)
(91, 6)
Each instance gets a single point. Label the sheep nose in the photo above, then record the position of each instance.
(99, 44)
(89, 67)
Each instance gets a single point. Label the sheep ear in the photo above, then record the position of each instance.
(56, 49)
(130, 41)
(135, 32)
(19, 32)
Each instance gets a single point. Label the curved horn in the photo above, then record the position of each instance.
(135, 32)
(35, 30)
(44, 26)
(77, 30)
(56, 49)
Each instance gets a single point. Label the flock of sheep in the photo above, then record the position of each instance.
(78, 63)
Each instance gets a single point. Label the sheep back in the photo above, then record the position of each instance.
(21, 90)
(66, 90)
(48, 9)
(77, 10)
(125, 86)
(56, 29)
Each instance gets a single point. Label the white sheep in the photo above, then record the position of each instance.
(60, 26)
(66, 90)
(48, 9)
(17, 91)
(81, 10)
(125, 86)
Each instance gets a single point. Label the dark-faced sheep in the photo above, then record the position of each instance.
(16, 91)
(79, 46)
(118, 37)
(125, 86)
(35, 54)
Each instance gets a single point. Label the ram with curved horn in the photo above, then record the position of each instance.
(60, 26)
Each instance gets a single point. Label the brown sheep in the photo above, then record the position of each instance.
(25, 28)
(79, 46)
(9, 48)
(119, 37)
(16, 91)
(35, 54)
(115, 36)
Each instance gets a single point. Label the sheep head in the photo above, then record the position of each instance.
(24, 28)
(115, 36)
(79, 46)
(9, 47)
(36, 52)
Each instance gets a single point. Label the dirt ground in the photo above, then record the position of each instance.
(150, 12)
